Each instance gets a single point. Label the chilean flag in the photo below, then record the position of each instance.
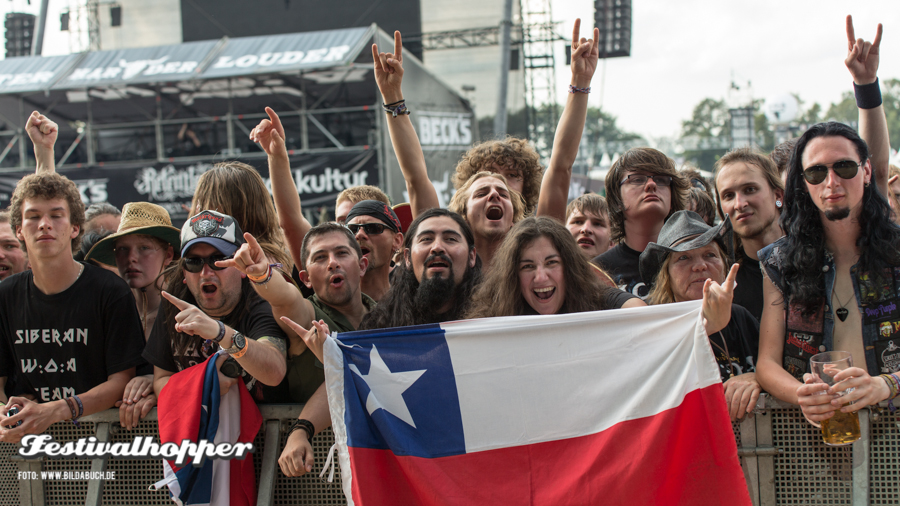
(190, 407)
(609, 407)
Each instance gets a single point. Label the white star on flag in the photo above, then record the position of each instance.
(389, 387)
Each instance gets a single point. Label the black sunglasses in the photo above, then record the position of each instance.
(370, 228)
(195, 264)
(846, 169)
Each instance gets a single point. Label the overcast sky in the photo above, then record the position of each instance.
(686, 50)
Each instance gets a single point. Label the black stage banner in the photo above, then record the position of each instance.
(319, 178)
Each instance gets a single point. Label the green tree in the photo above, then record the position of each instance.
(847, 112)
(705, 133)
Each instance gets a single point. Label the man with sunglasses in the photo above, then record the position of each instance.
(212, 307)
(643, 188)
(377, 230)
(831, 281)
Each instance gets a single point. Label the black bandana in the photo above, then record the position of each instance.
(378, 210)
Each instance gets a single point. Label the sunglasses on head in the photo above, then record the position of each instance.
(369, 228)
(195, 264)
(845, 169)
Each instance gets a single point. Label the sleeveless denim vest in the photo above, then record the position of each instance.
(878, 299)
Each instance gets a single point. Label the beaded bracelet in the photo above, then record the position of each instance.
(262, 279)
(396, 108)
(576, 89)
(868, 96)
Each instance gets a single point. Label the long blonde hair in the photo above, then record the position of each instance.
(662, 292)
(237, 189)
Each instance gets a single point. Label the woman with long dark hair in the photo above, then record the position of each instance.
(539, 269)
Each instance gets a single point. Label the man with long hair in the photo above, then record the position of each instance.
(751, 194)
(212, 307)
(438, 274)
(831, 281)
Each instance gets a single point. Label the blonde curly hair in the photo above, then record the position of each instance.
(508, 152)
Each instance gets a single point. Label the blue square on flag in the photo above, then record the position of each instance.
(408, 400)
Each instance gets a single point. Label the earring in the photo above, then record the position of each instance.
(778, 203)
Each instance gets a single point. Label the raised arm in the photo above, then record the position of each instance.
(862, 62)
(555, 185)
(270, 135)
(389, 76)
(283, 296)
(717, 302)
(43, 134)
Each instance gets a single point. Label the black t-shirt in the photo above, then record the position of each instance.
(615, 298)
(67, 343)
(623, 264)
(741, 339)
(749, 290)
(257, 322)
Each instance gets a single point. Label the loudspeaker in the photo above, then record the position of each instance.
(115, 15)
(19, 32)
(613, 18)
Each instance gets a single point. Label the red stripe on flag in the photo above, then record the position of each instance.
(682, 456)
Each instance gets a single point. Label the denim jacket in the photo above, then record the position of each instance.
(878, 299)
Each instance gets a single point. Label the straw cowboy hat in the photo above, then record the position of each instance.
(137, 218)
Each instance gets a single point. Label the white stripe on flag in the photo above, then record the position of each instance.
(650, 358)
(334, 381)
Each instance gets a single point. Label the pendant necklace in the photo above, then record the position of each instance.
(841, 311)
(725, 351)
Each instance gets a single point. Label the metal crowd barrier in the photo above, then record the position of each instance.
(783, 457)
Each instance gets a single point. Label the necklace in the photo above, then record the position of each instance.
(842, 312)
(725, 351)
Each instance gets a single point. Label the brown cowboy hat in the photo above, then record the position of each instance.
(138, 218)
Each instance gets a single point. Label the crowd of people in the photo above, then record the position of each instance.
(791, 253)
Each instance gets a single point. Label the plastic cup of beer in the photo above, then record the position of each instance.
(842, 428)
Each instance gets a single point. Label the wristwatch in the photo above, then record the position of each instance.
(238, 343)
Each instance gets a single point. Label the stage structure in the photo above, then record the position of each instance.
(143, 124)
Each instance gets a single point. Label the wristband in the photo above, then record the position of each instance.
(576, 89)
(218, 338)
(305, 425)
(72, 407)
(396, 108)
(264, 278)
(80, 406)
(868, 96)
(402, 100)
(241, 353)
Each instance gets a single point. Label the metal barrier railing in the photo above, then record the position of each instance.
(783, 457)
